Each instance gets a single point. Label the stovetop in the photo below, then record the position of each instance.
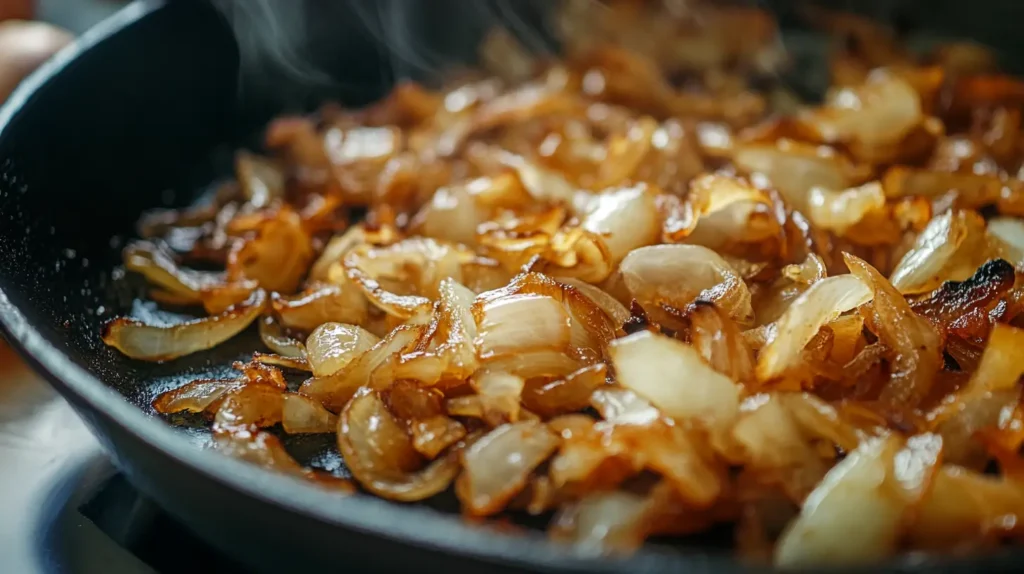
(63, 507)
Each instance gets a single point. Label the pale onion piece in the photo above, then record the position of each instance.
(838, 211)
(335, 390)
(381, 456)
(1009, 231)
(857, 512)
(195, 397)
(603, 521)
(262, 180)
(576, 252)
(499, 394)
(322, 303)
(883, 110)
(816, 418)
(966, 509)
(677, 275)
(543, 363)
(808, 272)
(610, 305)
(775, 448)
(674, 377)
(255, 405)
(277, 257)
(332, 346)
(936, 255)
(822, 302)
(623, 406)
(497, 466)
(138, 340)
(1001, 367)
(335, 251)
(402, 279)
(725, 210)
(432, 435)
(625, 219)
(916, 343)
(520, 324)
(795, 169)
(274, 337)
(452, 214)
(300, 414)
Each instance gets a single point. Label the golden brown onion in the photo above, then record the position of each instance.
(147, 342)
(332, 346)
(677, 275)
(675, 378)
(381, 456)
(497, 466)
(824, 301)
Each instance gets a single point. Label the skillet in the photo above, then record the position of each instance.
(142, 112)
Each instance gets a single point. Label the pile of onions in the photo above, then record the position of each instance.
(572, 288)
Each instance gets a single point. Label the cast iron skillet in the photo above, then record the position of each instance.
(143, 104)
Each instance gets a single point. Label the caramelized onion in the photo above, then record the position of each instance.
(147, 342)
(381, 456)
(821, 303)
(497, 466)
(300, 414)
(675, 378)
(332, 346)
(855, 515)
(677, 275)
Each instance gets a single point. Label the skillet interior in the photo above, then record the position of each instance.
(147, 117)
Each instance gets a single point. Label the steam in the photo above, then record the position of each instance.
(291, 49)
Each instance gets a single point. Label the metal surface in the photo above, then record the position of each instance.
(154, 99)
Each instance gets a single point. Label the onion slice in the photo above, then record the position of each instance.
(335, 390)
(498, 465)
(139, 340)
(822, 302)
(677, 275)
(300, 414)
(381, 455)
(857, 512)
(675, 378)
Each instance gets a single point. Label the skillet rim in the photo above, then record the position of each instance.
(363, 513)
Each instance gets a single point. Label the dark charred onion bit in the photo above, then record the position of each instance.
(961, 308)
(638, 320)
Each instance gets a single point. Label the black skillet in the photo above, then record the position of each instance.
(146, 103)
